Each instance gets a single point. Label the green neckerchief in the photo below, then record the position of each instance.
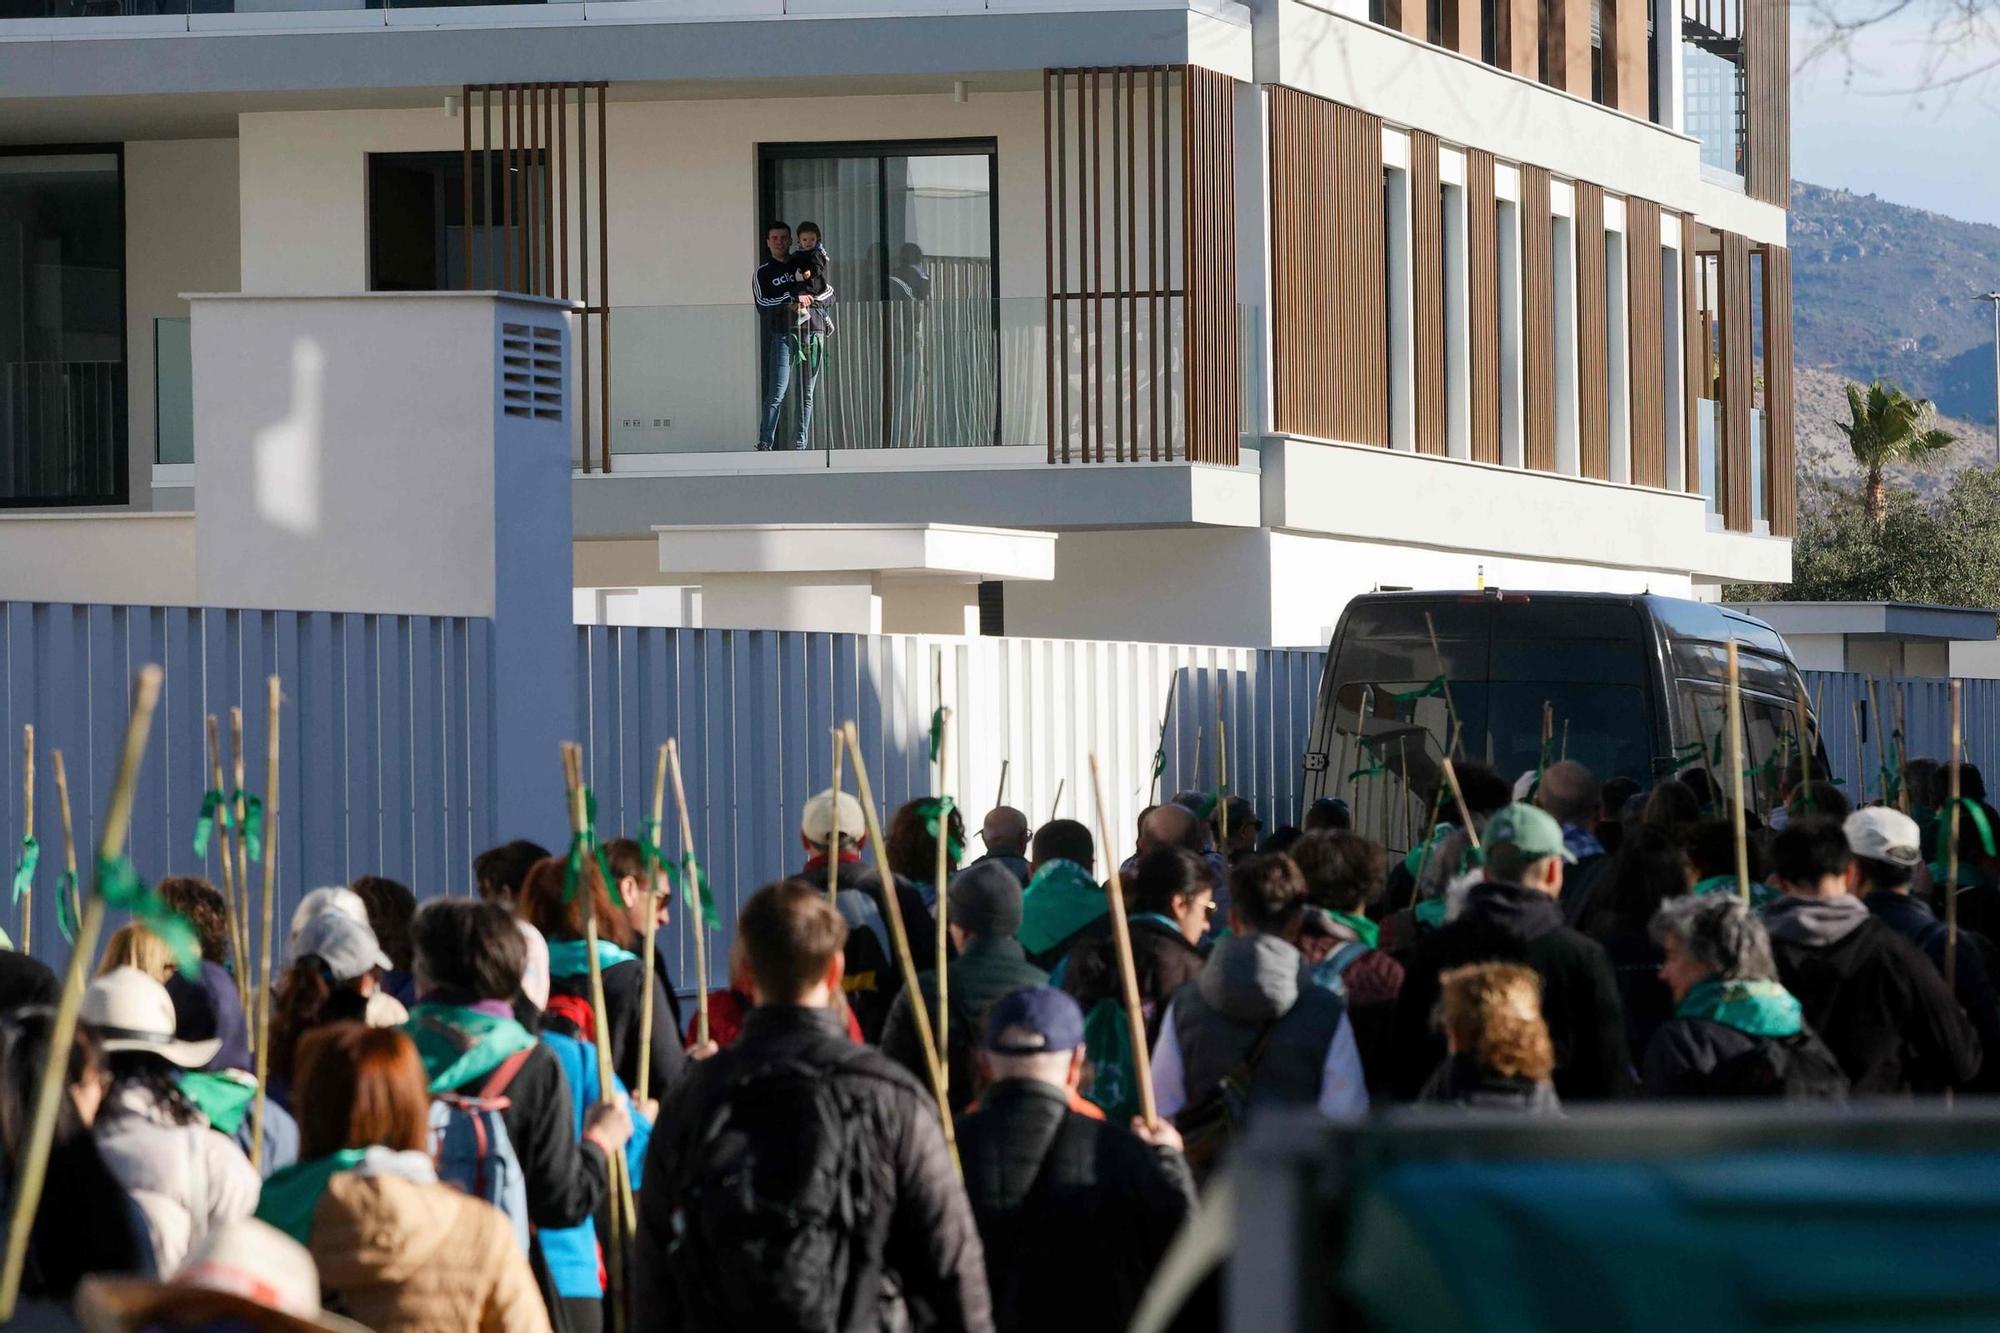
(1761, 895)
(291, 1194)
(1060, 900)
(1430, 912)
(1368, 932)
(458, 1045)
(571, 958)
(218, 1096)
(1413, 860)
(1758, 1008)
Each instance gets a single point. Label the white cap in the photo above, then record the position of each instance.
(535, 971)
(816, 824)
(129, 1011)
(344, 901)
(347, 947)
(1882, 833)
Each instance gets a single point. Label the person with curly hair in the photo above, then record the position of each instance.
(1500, 1057)
(390, 908)
(913, 847)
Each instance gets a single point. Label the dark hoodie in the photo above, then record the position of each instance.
(1872, 997)
(1460, 1081)
(1252, 983)
(1507, 923)
(1913, 919)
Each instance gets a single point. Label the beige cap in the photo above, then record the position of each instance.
(816, 824)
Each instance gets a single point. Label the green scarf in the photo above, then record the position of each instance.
(291, 1194)
(571, 958)
(459, 1045)
(1060, 900)
(1368, 932)
(1758, 1008)
(1761, 895)
(1430, 912)
(1413, 860)
(219, 1097)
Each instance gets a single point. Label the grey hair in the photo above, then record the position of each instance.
(1718, 931)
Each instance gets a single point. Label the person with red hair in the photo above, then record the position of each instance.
(397, 1250)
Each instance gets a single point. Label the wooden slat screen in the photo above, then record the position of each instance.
(1593, 373)
(1767, 83)
(1462, 33)
(1517, 37)
(1329, 312)
(1409, 17)
(1140, 219)
(1694, 356)
(1211, 327)
(1538, 321)
(1733, 456)
(1625, 57)
(1567, 39)
(1645, 312)
(1427, 283)
(1780, 448)
(1482, 245)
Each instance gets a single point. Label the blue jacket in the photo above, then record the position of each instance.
(571, 1252)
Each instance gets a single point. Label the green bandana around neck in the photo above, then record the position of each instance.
(292, 1193)
(1758, 1008)
(458, 1045)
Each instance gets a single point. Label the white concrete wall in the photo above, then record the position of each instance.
(180, 236)
(1818, 652)
(1195, 585)
(136, 557)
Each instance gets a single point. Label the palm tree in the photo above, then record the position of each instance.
(1888, 426)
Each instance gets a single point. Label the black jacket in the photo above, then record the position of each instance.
(1913, 919)
(565, 1177)
(24, 981)
(987, 970)
(1876, 1001)
(1075, 1213)
(913, 1251)
(1635, 961)
(874, 976)
(1697, 1057)
(1162, 958)
(773, 287)
(1511, 924)
(1459, 1081)
(623, 991)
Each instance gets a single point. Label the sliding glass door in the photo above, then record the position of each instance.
(913, 361)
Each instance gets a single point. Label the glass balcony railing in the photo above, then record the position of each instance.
(1760, 462)
(940, 374)
(1707, 435)
(173, 392)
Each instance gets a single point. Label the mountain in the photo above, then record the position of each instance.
(1884, 291)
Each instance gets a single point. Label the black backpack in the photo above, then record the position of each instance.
(1798, 1068)
(765, 1210)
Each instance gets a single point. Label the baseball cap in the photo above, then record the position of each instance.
(1883, 833)
(1531, 831)
(985, 900)
(346, 946)
(1035, 1020)
(816, 824)
(333, 899)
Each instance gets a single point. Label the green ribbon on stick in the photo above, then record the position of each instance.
(583, 845)
(24, 869)
(694, 882)
(253, 825)
(937, 815)
(66, 921)
(214, 806)
(1430, 689)
(119, 885)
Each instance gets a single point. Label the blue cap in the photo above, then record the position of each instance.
(1035, 1020)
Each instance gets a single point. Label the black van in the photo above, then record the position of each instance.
(1635, 685)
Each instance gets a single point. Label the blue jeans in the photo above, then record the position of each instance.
(779, 356)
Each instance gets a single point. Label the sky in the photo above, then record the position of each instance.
(1877, 118)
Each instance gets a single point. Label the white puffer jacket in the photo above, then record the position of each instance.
(184, 1178)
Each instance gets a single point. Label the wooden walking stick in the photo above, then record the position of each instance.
(1808, 733)
(1444, 679)
(1221, 777)
(1736, 777)
(644, 1091)
(1951, 865)
(273, 698)
(1121, 938)
(1056, 805)
(239, 803)
(24, 877)
(581, 844)
(1160, 750)
(691, 886)
(943, 902)
(1881, 750)
(900, 937)
(32, 1153)
(1564, 756)
(1430, 827)
(224, 823)
(833, 834)
(1903, 741)
(1458, 796)
(1854, 714)
(1001, 798)
(68, 886)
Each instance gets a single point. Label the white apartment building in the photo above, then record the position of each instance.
(1179, 320)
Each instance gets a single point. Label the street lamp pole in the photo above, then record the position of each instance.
(1993, 299)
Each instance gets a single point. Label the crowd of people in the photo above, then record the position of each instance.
(435, 1149)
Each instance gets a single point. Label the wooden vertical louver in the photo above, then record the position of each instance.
(1329, 312)
(1538, 321)
(1734, 454)
(1482, 253)
(1694, 357)
(1767, 90)
(1567, 41)
(1645, 311)
(1409, 17)
(1593, 373)
(1517, 35)
(1427, 292)
(1625, 57)
(1462, 21)
(1780, 447)
(1139, 213)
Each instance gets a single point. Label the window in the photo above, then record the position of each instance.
(1673, 349)
(1617, 359)
(1715, 95)
(1398, 281)
(1508, 265)
(62, 327)
(910, 230)
(1562, 263)
(417, 221)
(1457, 325)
